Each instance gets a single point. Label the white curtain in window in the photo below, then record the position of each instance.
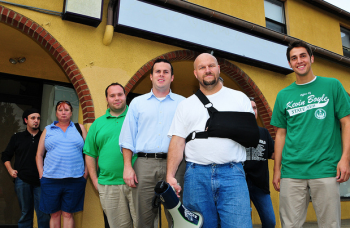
(345, 37)
(274, 11)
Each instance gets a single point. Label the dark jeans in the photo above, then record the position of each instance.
(28, 197)
(263, 204)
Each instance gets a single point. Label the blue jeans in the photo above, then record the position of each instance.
(28, 197)
(219, 192)
(263, 204)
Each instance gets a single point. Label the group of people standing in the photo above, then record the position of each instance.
(54, 186)
(163, 136)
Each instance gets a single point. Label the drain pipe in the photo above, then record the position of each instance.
(108, 36)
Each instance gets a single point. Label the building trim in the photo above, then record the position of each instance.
(328, 7)
(180, 30)
(58, 52)
(244, 26)
(247, 85)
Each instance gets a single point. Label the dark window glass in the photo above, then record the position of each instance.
(275, 26)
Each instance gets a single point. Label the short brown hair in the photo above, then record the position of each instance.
(163, 61)
(114, 84)
(298, 43)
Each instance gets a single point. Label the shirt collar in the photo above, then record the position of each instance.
(28, 133)
(307, 82)
(108, 114)
(53, 125)
(151, 94)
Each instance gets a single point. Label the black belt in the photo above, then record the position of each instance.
(153, 155)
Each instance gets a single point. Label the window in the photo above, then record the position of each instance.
(345, 38)
(274, 14)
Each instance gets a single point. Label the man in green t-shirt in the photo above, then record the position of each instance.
(102, 143)
(312, 118)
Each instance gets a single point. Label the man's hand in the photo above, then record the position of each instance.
(13, 173)
(173, 182)
(276, 180)
(86, 174)
(129, 177)
(95, 183)
(175, 156)
(279, 145)
(343, 170)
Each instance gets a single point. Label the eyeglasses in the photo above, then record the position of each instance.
(252, 98)
(60, 102)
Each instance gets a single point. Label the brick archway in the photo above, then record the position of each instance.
(247, 85)
(55, 49)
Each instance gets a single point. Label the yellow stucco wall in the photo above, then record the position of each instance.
(100, 65)
(314, 25)
(117, 62)
(38, 64)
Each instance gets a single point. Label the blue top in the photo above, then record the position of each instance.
(64, 157)
(147, 123)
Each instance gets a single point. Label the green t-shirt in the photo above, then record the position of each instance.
(310, 113)
(102, 141)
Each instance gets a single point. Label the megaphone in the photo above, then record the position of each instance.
(182, 217)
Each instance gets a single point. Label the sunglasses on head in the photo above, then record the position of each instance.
(60, 102)
(65, 102)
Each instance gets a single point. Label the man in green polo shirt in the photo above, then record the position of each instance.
(102, 144)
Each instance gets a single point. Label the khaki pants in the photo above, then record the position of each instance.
(294, 200)
(148, 172)
(118, 205)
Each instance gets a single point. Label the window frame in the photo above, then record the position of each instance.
(346, 50)
(279, 24)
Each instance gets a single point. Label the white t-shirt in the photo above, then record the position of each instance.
(191, 115)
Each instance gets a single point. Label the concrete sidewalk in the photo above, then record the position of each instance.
(345, 223)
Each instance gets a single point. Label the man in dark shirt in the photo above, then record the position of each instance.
(257, 175)
(23, 146)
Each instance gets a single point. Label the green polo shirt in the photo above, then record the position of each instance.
(102, 141)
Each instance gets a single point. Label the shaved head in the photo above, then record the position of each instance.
(207, 72)
(201, 57)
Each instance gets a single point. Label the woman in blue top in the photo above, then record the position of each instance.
(62, 173)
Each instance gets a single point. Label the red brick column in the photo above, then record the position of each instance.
(54, 48)
(242, 79)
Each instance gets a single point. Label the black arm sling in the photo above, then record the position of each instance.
(238, 126)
